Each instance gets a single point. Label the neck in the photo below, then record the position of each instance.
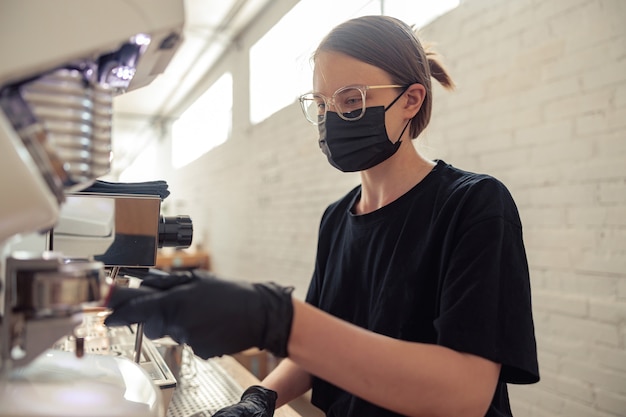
(392, 178)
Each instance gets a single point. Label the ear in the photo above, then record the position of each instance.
(415, 94)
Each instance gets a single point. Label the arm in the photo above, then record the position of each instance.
(288, 380)
(413, 379)
(410, 378)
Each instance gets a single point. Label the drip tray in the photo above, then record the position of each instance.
(120, 341)
(203, 388)
(191, 386)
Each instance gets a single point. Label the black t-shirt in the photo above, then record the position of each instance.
(443, 264)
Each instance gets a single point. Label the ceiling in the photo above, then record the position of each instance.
(210, 28)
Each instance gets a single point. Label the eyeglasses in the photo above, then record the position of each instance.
(349, 102)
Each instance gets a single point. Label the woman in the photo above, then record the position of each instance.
(420, 299)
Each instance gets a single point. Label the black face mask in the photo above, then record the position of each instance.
(358, 145)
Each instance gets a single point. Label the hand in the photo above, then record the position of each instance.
(256, 401)
(158, 279)
(213, 316)
(161, 280)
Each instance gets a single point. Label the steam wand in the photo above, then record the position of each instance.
(139, 331)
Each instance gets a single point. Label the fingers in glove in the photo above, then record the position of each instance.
(163, 281)
(121, 295)
(256, 401)
(262, 396)
(131, 305)
(147, 306)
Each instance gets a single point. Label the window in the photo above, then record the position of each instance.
(143, 168)
(205, 124)
(280, 67)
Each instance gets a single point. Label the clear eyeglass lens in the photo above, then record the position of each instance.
(313, 106)
(348, 102)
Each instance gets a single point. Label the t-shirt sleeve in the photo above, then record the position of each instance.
(485, 307)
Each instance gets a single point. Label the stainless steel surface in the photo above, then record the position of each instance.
(57, 292)
(138, 342)
(120, 341)
(57, 79)
(77, 120)
(115, 229)
(43, 294)
(190, 385)
(204, 388)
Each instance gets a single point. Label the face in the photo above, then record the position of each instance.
(335, 70)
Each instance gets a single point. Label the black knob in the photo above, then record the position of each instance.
(175, 232)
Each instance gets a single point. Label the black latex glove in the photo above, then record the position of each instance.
(256, 401)
(213, 316)
(161, 280)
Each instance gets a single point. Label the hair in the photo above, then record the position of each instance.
(393, 46)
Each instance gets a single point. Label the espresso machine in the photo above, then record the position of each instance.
(62, 64)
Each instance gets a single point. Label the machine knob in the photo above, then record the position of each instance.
(175, 232)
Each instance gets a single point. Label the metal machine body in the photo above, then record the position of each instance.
(62, 64)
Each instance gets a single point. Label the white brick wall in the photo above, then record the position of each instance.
(540, 104)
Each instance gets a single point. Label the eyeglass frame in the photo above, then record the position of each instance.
(331, 101)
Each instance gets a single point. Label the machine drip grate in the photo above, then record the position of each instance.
(203, 388)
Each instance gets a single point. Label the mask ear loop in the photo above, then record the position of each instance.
(397, 98)
(407, 123)
(402, 133)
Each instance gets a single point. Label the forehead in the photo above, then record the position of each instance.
(334, 70)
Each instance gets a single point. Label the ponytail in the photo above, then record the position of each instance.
(437, 70)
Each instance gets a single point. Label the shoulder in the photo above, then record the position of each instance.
(460, 180)
(481, 194)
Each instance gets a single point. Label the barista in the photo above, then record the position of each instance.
(420, 299)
